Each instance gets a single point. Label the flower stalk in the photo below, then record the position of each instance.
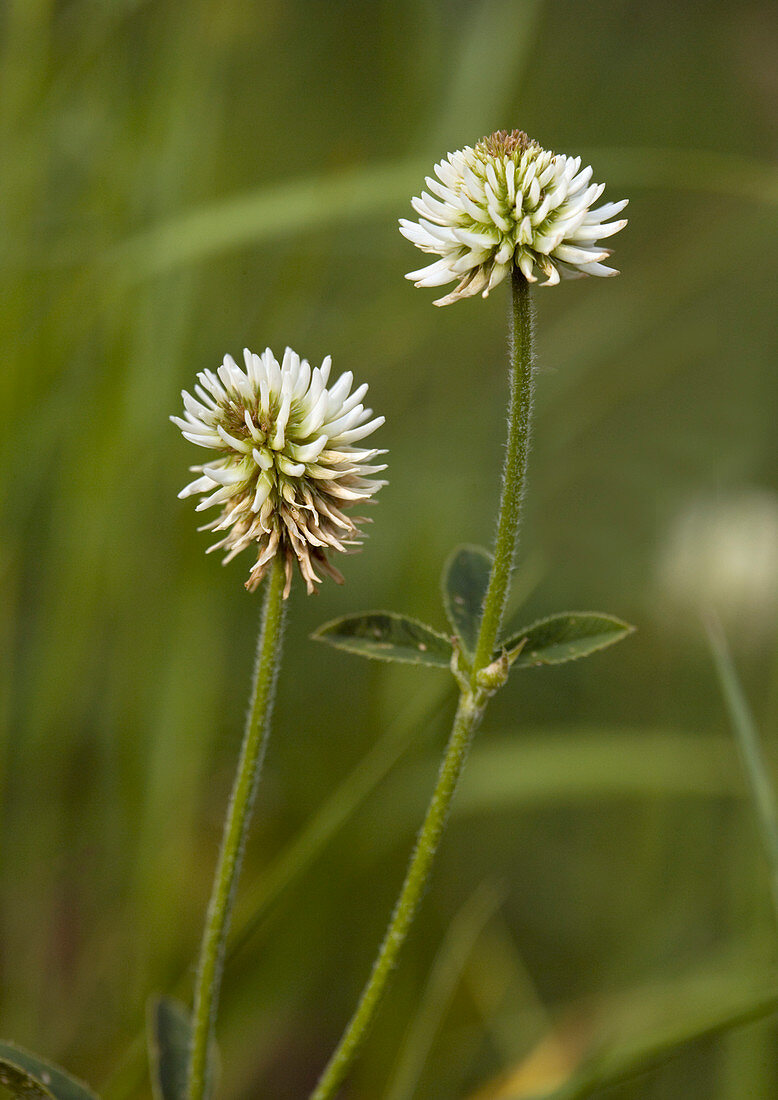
(286, 470)
(514, 470)
(473, 696)
(467, 718)
(236, 825)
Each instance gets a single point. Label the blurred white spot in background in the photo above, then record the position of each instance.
(721, 554)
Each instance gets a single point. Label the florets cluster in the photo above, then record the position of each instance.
(286, 468)
(508, 202)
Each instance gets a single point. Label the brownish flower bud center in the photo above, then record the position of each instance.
(505, 143)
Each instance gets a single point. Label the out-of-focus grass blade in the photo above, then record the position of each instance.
(302, 850)
(348, 796)
(504, 992)
(688, 170)
(582, 765)
(496, 38)
(554, 767)
(451, 959)
(289, 207)
(744, 728)
(491, 51)
(616, 1040)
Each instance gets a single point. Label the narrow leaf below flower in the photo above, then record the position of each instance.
(387, 636)
(562, 638)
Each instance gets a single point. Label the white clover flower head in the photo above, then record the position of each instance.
(509, 203)
(287, 467)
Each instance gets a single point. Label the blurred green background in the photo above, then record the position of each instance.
(180, 180)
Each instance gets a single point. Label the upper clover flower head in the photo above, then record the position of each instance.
(509, 202)
(286, 467)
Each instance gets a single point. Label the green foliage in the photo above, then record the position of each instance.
(465, 580)
(387, 636)
(21, 1083)
(562, 638)
(169, 1038)
(29, 1077)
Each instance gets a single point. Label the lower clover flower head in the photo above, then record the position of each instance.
(509, 202)
(286, 468)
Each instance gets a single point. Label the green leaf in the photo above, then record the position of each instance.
(27, 1076)
(20, 1083)
(562, 638)
(387, 636)
(169, 1036)
(465, 580)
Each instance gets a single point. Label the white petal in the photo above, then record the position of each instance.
(606, 211)
(263, 458)
(474, 240)
(570, 255)
(435, 275)
(199, 485)
(242, 445)
(264, 487)
(476, 211)
(589, 233)
(360, 432)
(339, 391)
(417, 234)
(597, 269)
(310, 451)
(291, 469)
(527, 266)
(498, 273)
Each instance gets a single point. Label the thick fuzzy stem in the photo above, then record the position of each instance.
(472, 700)
(236, 826)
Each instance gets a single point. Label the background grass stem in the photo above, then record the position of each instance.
(746, 734)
